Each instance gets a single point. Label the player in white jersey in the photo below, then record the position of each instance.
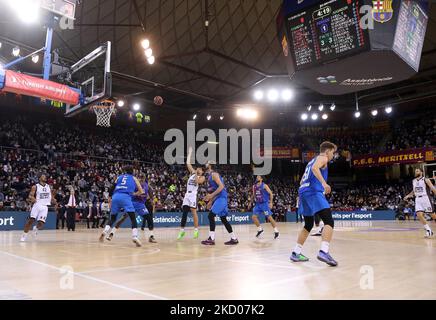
(190, 201)
(422, 201)
(41, 197)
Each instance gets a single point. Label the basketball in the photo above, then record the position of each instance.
(158, 100)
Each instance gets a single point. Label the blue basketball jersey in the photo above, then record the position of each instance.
(260, 194)
(125, 184)
(310, 183)
(213, 186)
(142, 198)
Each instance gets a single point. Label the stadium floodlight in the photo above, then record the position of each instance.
(304, 116)
(26, 10)
(314, 116)
(35, 58)
(222, 117)
(120, 103)
(388, 110)
(151, 60)
(209, 117)
(325, 116)
(16, 51)
(136, 107)
(309, 108)
(333, 107)
(321, 107)
(273, 95)
(148, 52)
(194, 117)
(287, 95)
(258, 95)
(145, 44)
(247, 113)
(374, 112)
(357, 114)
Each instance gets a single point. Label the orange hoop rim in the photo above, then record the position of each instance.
(105, 104)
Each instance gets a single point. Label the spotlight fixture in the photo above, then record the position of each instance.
(321, 107)
(136, 107)
(388, 110)
(194, 117)
(304, 116)
(247, 113)
(208, 117)
(314, 116)
(35, 58)
(309, 108)
(357, 114)
(222, 117)
(374, 112)
(258, 95)
(325, 116)
(145, 44)
(120, 103)
(16, 52)
(273, 95)
(151, 60)
(148, 52)
(333, 107)
(287, 95)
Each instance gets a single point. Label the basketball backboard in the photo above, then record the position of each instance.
(60, 8)
(91, 75)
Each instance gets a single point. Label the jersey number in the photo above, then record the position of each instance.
(124, 181)
(306, 173)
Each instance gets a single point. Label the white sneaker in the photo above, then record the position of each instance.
(137, 242)
(35, 232)
(428, 234)
(23, 238)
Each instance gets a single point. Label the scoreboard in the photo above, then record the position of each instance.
(344, 46)
(326, 32)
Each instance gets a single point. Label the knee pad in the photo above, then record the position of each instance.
(308, 223)
(326, 217)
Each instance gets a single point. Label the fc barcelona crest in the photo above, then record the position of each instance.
(382, 10)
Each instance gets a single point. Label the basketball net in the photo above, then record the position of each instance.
(104, 110)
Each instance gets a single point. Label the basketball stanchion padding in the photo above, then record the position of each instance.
(104, 110)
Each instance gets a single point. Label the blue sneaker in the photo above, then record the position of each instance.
(327, 258)
(298, 257)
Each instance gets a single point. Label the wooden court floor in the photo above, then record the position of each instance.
(377, 260)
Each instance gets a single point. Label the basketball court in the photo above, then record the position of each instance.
(400, 260)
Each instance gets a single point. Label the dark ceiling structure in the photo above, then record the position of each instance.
(210, 54)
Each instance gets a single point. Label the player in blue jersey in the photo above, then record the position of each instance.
(262, 196)
(126, 186)
(312, 201)
(217, 204)
(143, 210)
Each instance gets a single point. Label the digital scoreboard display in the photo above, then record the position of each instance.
(326, 32)
(410, 33)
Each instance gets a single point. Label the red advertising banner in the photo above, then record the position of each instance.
(389, 158)
(281, 153)
(35, 87)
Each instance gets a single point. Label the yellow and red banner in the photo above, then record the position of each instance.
(35, 87)
(392, 157)
(281, 153)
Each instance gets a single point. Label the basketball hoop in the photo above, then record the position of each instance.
(104, 110)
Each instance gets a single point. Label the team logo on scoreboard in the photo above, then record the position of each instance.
(285, 46)
(382, 10)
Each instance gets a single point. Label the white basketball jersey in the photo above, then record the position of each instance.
(43, 195)
(419, 187)
(192, 186)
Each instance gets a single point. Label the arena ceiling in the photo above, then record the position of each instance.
(198, 67)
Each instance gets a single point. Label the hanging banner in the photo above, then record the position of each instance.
(281, 153)
(389, 158)
(35, 87)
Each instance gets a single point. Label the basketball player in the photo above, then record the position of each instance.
(422, 200)
(125, 187)
(141, 209)
(190, 201)
(41, 197)
(262, 196)
(217, 204)
(312, 191)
